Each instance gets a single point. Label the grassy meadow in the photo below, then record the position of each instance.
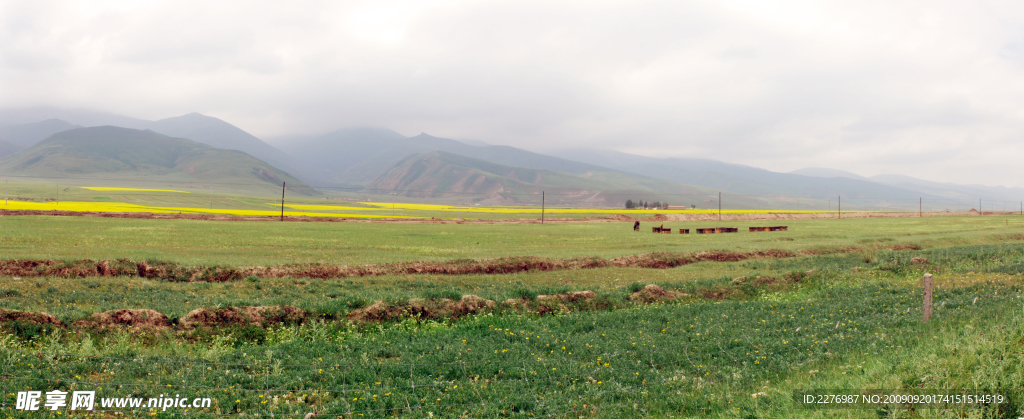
(846, 314)
(271, 243)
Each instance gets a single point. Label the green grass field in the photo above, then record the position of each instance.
(847, 317)
(268, 243)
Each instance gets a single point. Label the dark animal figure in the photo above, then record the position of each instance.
(636, 226)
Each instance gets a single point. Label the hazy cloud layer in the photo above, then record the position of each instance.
(932, 89)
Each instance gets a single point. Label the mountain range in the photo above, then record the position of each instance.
(118, 154)
(379, 160)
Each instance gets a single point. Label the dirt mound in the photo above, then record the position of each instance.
(652, 294)
(516, 303)
(143, 319)
(620, 217)
(121, 267)
(66, 269)
(423, 309)
(495, 266)
(420, 308)
(376, 312)
(721, 256)
(762, 280)
(671, 260)
(652, 260)
(919, 260)
(243, 316)
(771, 254)
(179, 273)
(569, 297)
(471, 304)
(657, 217)
(905, 246)
(28, 317)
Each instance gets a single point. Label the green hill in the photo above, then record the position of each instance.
(114, 153)
(442, 174)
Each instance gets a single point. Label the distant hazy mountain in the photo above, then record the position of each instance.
(742, 179)
(355, 156)
(968, 193)
(439, 173)
(25, 135)
(474, 143)
(7, 148)
(74, 116)
(965, 194)
(204, 129)
(823, 172)
(124, 153)
(217, 133)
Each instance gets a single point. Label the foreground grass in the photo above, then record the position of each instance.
(738, 357)
(852, 323)
(701, 359)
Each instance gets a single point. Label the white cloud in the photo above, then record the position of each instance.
(927, 88)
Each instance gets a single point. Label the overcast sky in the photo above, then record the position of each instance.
(930, 88)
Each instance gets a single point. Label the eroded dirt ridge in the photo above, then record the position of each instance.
(174, 272)
(438, 309)
(376, 312)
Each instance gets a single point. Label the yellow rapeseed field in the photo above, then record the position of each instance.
(126, 207)
(105, 188)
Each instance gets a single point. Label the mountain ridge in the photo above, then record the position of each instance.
(443, 174)
(117, 152)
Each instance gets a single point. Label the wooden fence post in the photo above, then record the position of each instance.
(927, 308)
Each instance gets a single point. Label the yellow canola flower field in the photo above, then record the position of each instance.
(379, 206)
(105, 188)
(126, 207)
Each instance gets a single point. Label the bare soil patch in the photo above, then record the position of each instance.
(143, 319)
(378, 312)
(653, 294)
(243, 316)
(423, 309)
(28, 317)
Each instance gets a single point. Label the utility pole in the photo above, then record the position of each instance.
(840, 206)
(979, 207)
(926, 307)
(211, 196)
(7, 192)
(920, 212)
(58, 194)
(542, 207)
(282, 199)
(393, 204)
(719, 206)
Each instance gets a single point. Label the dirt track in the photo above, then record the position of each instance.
(609, 219)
